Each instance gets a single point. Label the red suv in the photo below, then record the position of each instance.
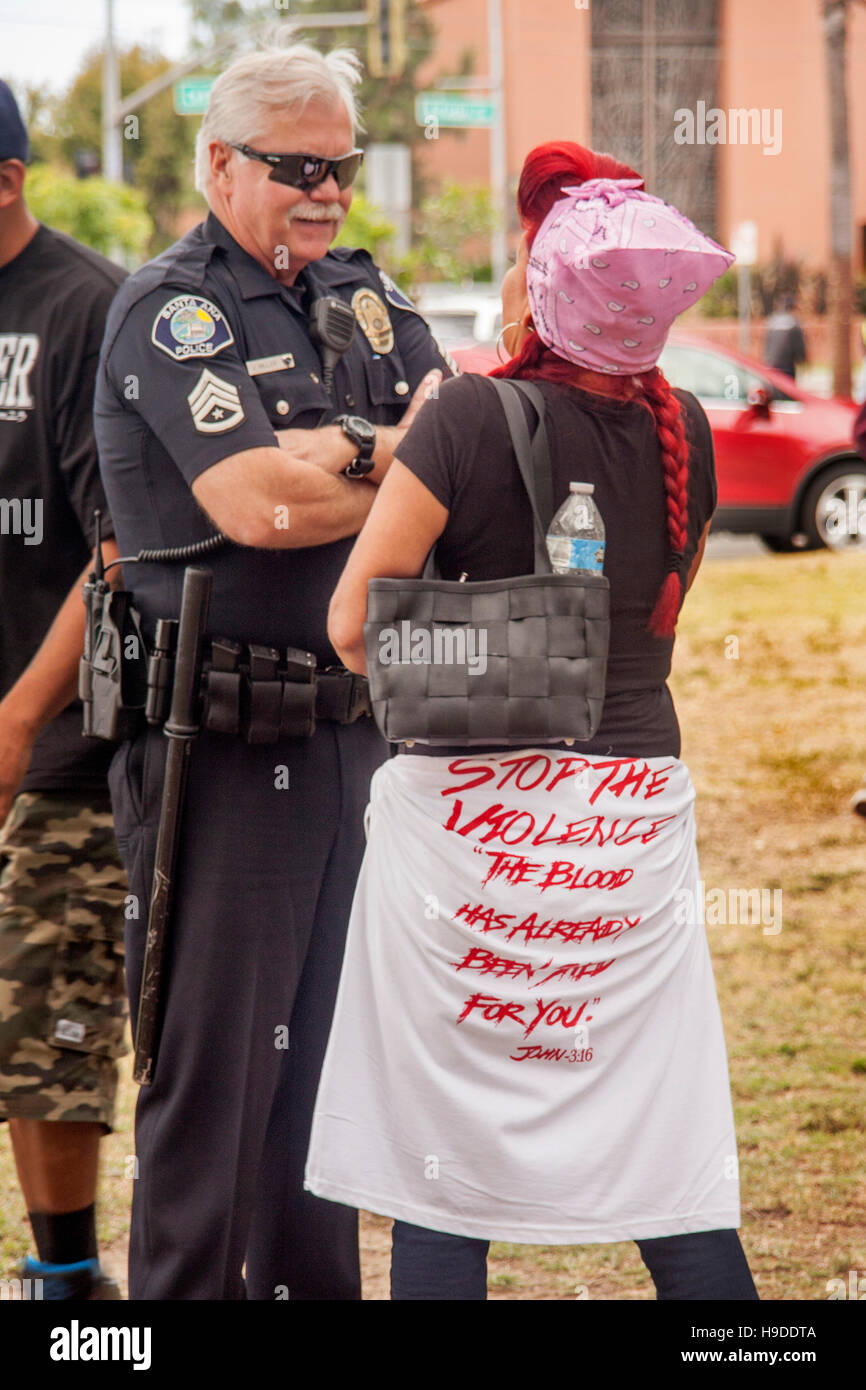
(785, 460)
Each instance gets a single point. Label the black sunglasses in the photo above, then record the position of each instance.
(307, 170)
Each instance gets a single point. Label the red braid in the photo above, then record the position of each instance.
(546, 170)
(675, 472)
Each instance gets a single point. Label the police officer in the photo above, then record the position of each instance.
(213, 412)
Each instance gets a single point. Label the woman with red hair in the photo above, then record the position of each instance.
(442, 1101)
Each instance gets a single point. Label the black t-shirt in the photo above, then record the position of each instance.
(54, 297)
(207, 354)
(460, 448)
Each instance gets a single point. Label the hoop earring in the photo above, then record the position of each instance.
(515, 323)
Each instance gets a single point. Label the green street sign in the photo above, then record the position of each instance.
(448, 109)
(191, 95)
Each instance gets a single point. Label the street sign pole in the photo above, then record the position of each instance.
(498, 160)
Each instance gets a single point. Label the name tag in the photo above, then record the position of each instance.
(259, 365)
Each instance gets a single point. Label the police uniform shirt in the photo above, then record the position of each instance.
(206, 355)
(54, 297)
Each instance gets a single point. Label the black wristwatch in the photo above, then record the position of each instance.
(362, 433)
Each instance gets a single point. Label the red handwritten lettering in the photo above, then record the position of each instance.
(488, 963)
(518, 870)
(522, 765)
(623, 776)
(598, 928)
(567, 770)
(532, 1052)
(497, 819)
(484, 775)
(491, 921)
(576, 971)
(492, 1008)
(486, 919)
(657, 782)
(563, 874)
(555, 1013)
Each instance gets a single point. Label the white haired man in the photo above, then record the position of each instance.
(213, 406)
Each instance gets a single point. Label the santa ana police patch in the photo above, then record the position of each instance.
(188, 326)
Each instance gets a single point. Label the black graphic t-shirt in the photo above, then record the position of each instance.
(54, 297)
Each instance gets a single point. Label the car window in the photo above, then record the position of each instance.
(710, 376)
(451, 326)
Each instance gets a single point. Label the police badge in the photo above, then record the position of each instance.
(373, 318)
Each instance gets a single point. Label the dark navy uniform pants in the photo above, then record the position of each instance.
(263, 888)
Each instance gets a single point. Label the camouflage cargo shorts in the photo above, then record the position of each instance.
(62, 998)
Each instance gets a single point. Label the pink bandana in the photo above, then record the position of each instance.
(610, 269)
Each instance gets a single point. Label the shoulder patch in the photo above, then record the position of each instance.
(395, 295)
(215, 404)
(189, 326)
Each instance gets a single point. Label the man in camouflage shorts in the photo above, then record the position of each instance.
(61, 882)
(62, 1016)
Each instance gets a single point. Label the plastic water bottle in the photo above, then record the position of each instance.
(575, 537)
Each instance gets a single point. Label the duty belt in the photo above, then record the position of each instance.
(260, 693)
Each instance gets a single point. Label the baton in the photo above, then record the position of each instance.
(180, 729)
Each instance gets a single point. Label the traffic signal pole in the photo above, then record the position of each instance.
(112, 150)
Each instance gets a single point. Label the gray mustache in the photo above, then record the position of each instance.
(321, 212)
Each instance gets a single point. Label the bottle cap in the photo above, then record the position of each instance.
(582, 487)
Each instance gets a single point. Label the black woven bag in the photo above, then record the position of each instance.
(517, 661)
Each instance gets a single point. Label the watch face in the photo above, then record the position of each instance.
(356, 425)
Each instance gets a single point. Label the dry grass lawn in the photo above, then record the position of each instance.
(770, 684)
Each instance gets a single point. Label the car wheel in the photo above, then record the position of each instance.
(834, 512)
(780, 545)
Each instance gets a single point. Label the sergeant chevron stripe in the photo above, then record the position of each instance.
(215, 404)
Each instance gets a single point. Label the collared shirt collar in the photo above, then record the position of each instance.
(254, 281)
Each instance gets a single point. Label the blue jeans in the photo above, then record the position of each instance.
(702, 1265)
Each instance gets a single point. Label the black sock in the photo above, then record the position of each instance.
(65, 1238)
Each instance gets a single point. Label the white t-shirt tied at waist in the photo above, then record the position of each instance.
(527, 1043)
